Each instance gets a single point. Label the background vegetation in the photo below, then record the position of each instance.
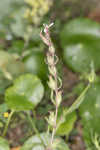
(24, 92)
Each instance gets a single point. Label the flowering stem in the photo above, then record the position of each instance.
(54, 81)
(55, 85)
(7, 124)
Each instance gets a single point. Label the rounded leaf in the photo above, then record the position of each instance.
(25, 94)
(90, 113)
(34, 143)
(80, 29)
(4, 144)
(80, 40)
(8, 63)
(35, 64)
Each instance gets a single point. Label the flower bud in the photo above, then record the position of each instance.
(52, 49)
(51, 119)
(52, 83)
(50, 59)
(91, 77)
(52, 70)
(59, 98)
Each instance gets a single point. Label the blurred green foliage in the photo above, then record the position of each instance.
(90, 114)
(25, 94)
(66, 127)
(4, 144)
(80, 39)
(35, 143)
(21, 52)
(34, 63)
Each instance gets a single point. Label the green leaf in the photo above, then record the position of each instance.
(4, 144)
(35, 143)
(80, 40)
(78, 88)
(16, 47)
(3, 108)
(35, 64)
(10, 68)
(73, 107)
(4, 83)
(5, 58)
(25, 94)
(90, 113)
(66, 127)
(9, 64)
(19, 26)
(5, 7)
(78, 101)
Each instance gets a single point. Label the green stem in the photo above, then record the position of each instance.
(34, 115)
(78, 101)
(7, 124)
(34, 128)
(75, 105)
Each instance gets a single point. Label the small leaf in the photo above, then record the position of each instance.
(66, 127)
(4, 144)
(25, 94)
(73, 107)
